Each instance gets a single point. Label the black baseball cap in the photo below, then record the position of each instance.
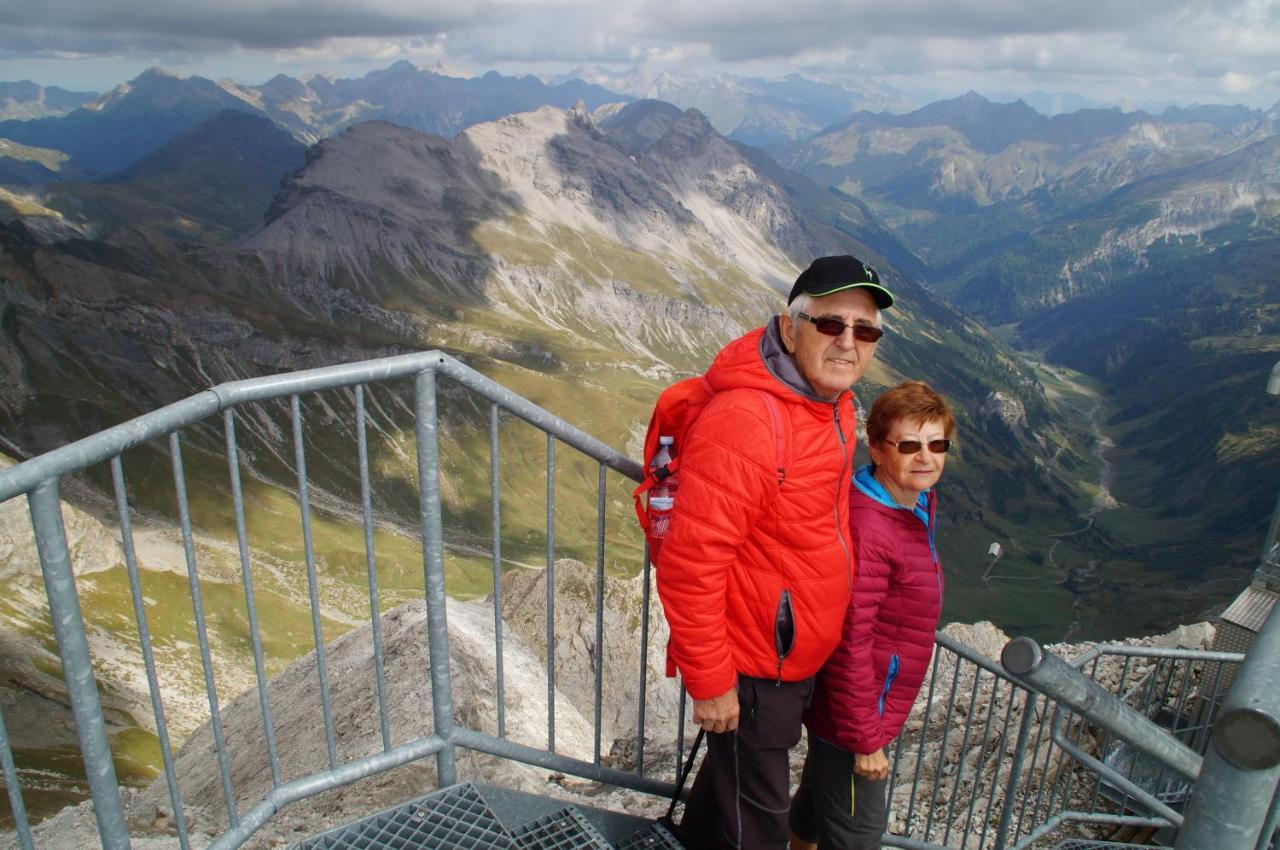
(826, 275)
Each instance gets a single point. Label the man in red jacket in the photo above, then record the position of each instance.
(757, 566)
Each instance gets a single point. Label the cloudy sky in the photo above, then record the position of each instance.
(1112, 51)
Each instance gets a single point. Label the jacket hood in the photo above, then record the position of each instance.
(759, 361)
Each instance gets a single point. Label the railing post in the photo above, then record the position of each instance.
(1015, 769)
(427, 429)
(1232, 798)
(77, 667)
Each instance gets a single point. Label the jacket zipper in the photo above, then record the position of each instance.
(844, 453)
(890, 675)
(784, 631)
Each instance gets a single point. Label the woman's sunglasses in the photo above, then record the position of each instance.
(910, 447)
(831, 326)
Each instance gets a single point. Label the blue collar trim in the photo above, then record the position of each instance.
(865, 481)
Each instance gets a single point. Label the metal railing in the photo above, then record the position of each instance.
(985, 760)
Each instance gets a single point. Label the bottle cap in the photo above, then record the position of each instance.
(666, 441)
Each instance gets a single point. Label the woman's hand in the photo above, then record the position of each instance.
(871, 766)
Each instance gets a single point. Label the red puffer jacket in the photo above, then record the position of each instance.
(755, 575)
(866, 690)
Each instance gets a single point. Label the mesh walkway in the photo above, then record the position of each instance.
(469, 816)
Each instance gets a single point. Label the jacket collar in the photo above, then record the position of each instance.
(783, 366)
(865, 481)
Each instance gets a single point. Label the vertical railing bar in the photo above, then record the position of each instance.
(1213, 705)
(924, 734)
(1182, 697)
(250, 601)
(1153, 684)
(680, 726)
(313, 580)
(964, 745)
(939, 780)
(982, 757)
(77, 663)
(1269, 835)
(1041, 734)
(1065, 773)
(427, 434)
(371, 567)
(148, 657)
(1107, 739)
(645, 602)
(202, 632)
(551, 592)
(14, 790)
(495, 499)
(599, 647)
(1050, 745)
(995, 767)
(1015, 770)
(893, 775)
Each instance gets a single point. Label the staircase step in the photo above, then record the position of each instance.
(456, 818)
(655, 837)
(566, 829)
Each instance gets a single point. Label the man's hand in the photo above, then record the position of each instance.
(718, 714)
(872, 766)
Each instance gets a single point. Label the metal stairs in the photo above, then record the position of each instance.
(484, 817)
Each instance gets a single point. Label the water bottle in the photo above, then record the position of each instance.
(662, 497)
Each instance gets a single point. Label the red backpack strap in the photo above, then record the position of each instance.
(781, 434)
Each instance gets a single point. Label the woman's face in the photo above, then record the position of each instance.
(906, 476)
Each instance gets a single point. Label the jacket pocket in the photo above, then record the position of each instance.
(784, 630)
(889, 676)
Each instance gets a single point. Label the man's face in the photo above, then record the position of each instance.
(831, 364)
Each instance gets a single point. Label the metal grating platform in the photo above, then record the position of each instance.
(1090, 844)
(455, 818)
(566, 829)
(656, 837)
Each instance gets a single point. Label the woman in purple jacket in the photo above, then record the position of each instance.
(867, 687)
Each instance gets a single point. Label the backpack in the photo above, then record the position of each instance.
(678, 407)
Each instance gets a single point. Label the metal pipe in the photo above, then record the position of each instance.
(371, 568)
(598, 651)
(77, 665)
(22, 477)
(250, 600)
(14, 790)
(1024, 659)
(427, 428)
(1015, 770)
(645, 603)
(496, 507)
(318, 783)
(551, 592)
(1114, 776)
(1233, 796)
(202, 631)
(148, 657)
(313, 580)
(508, 749)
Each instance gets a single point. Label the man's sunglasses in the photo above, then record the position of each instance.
(831, 326)
(910, 447)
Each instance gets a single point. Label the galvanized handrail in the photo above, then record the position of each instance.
(1236, 785)
(981, 695)
(39, 478)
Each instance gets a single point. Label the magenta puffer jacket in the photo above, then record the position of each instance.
(868, 685)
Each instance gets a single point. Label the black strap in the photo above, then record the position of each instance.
(684, 775)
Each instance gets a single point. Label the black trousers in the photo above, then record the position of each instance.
(742, 794)
(836, 807)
